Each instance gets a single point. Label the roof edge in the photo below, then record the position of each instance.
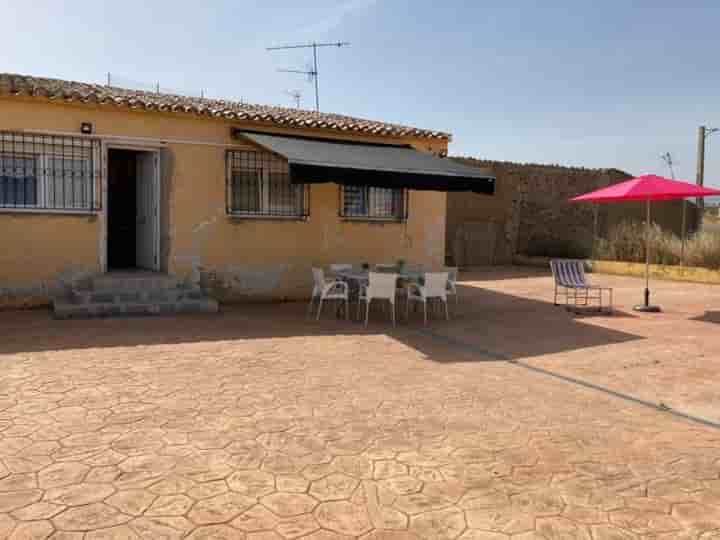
(16, 85)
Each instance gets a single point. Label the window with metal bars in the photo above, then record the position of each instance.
(373, 203)
(49, 172)
(258, 185)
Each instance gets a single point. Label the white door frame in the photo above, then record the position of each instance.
(149, 148)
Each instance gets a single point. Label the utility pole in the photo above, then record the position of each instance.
(313, 72)
(667, 158)
(703, 134)
(700, 178)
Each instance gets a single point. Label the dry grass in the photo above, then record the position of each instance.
(626, 242)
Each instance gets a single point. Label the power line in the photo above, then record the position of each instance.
(312, 72)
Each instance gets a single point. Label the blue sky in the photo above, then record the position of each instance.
(585, 82)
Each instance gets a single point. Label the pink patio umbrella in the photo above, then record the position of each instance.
(646, 188)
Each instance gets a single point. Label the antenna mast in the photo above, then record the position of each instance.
(296, 95)
(311, 73)
(667, 158)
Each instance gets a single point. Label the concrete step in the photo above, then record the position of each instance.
(115, 296)
(133, 293)
(133, 282)
(67, 309)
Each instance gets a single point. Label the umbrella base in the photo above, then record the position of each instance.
(644, 308)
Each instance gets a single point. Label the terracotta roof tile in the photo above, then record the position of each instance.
(69, 91)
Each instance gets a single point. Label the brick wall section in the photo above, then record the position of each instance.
(530, 212)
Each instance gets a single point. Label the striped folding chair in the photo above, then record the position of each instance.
(570, 281)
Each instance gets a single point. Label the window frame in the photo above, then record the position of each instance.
(266, 164)
(372, 214)
(44, 149)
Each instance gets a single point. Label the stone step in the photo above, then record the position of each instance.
(129, 296)
(67, 309)
(143, 281)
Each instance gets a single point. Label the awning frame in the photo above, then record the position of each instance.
(422, 172)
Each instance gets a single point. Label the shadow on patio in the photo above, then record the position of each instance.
(708, 317)
(499, 273)
(488, 325)
(505, 326)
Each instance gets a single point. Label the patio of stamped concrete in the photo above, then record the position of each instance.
(260, 424)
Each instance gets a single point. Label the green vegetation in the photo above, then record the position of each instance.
(626, 242)
(557, 249)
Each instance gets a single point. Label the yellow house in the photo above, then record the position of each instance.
(241, 199)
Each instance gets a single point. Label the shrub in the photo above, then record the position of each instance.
(557, 249)
(703, 250)
(626, 242)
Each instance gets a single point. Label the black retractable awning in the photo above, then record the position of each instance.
(314, 161)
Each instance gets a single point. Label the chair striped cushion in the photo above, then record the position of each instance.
(569, 273)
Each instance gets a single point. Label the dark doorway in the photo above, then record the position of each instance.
(122, 209)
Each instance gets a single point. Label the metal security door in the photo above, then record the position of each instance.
(147, 211)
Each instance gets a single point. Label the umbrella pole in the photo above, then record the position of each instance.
(595, 231)
(684, 232)
(646, 306)
(647, 253)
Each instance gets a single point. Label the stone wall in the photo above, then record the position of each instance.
(530, 213)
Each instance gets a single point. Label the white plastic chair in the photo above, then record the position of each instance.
(436, 284)
(328, 289)
(381, 286)
(452, 283)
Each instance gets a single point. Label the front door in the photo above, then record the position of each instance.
(147, 211)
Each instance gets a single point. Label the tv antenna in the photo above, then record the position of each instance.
(311, 72)
(296, 95)
(667, 158)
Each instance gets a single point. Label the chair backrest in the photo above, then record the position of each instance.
(340, 267)
(318, 278)
(568, 272)
(452, 274)
(436, 284)
(386, 267)
(382, 285)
